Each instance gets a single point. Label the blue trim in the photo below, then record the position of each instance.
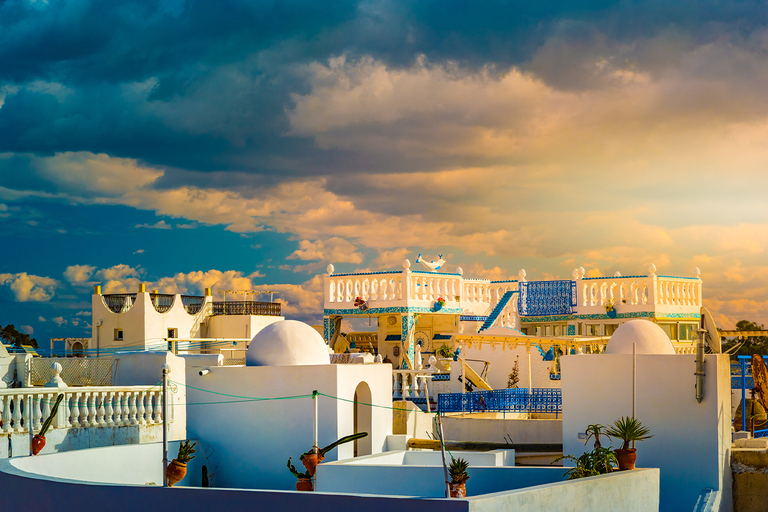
(393, 337)
(682, 277)
(496, 311)
(505, 281)
(434, 273)
(441, 337)
(599, 316)
(611, 277)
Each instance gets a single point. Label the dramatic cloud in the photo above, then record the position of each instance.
(30, 288)
(79, 274)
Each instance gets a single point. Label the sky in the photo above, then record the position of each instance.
(247, 144)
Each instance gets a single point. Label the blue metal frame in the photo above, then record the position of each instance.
(540, 400)
(746, 382)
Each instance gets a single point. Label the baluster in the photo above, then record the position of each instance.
(140, 409)
(84, 410)
(47, 399)
(17, 413)
(118, 406)
(394, 385)
(101, 410)
(92, 410)
(74, 410)
(158, 407)
(2, 412)
(109, 396)
(406, 386)
(132, 408)
(6, 413)
(34, 403)
(126, 399)
(63, 416)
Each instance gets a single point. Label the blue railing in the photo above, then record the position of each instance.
(741, 378)
(539, 400)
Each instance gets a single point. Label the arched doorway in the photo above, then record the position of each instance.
(363, 419)
(77, 349)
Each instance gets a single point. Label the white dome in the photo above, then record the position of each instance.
(287, 343)
(650, 339)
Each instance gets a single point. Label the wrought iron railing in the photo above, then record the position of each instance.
(736, 380)
(192, 303)
(244, 307)
(162, 302)
(538, 400)
(119, 302)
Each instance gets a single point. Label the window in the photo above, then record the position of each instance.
(118, 335)
(173, 333)
(688, 332)
(610, 329)
(670, 330)
(592, 329)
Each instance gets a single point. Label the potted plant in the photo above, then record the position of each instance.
(313, 457)
(459, 477)
(629, 430)
(38, 440)
(177, 469)
(598, 461)
(439, 303)
(445, 354)
(610, 308)
(304, 482)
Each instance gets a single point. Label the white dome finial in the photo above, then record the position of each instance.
(330, 268)
(575, 274)
(521, 275)
(582, 272)
(697, 271)
(651, 269)
(56, 381)
(460, 271)
(406, 263)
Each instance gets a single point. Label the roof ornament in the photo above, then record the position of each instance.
(432, 266)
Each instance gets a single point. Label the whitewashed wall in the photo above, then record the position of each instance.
(691, 443)
(252, 440)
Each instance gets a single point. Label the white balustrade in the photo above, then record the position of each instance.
(81, 407)
(409, 384)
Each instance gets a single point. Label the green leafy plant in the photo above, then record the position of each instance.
(345, 439)
(295, 472)
(185, 452)
(444, 351)
(458, 470)
(628, 429)
(598, 461)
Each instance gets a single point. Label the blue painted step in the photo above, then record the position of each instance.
(496, 311)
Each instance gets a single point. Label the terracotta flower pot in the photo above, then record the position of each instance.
(458, 490)
(311, 461)
(304, 484)
(626, 458)
(176, 472)
(38, 443)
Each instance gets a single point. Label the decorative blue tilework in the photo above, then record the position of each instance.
(441, 337)
(393, 337)
(539, 298)
(571, 330)
(473, 318)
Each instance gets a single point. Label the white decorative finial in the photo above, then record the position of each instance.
(651, 269)
(406, 263)
(575, 274)
(582, 272)
(521, 275)
(697, 272)
(330, 268)
(617, 274)
(56, 381)
(460, 271)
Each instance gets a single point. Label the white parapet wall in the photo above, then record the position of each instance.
(691, 440)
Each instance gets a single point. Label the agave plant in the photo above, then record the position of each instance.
(458, 470)
(628, 429)
(185, 452)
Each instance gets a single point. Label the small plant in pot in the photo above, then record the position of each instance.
(314, 457)
(459, 477)
(445, 353)
(595, 462)
(629, 430)
(304, 482)
(177, 469)
(38, 440)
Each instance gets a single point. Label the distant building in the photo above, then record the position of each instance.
(183, 323)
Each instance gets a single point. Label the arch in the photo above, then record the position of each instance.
(363, 419)
(77, 349)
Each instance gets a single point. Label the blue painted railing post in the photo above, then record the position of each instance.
(743, 394)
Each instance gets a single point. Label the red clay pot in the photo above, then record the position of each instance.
(304, 484)
(38, 443)
(176, 472)
(458, 490)
(311, 461)
(626, 458)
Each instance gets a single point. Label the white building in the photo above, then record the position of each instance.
(151, 320)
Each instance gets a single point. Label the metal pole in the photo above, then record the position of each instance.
(699, 373)
(634, 379)
(442, 453)
(314, 433)
(744, 394)
(463, 369)
(166, 371)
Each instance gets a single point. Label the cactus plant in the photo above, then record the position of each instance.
(185, 452)
(38, 440)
